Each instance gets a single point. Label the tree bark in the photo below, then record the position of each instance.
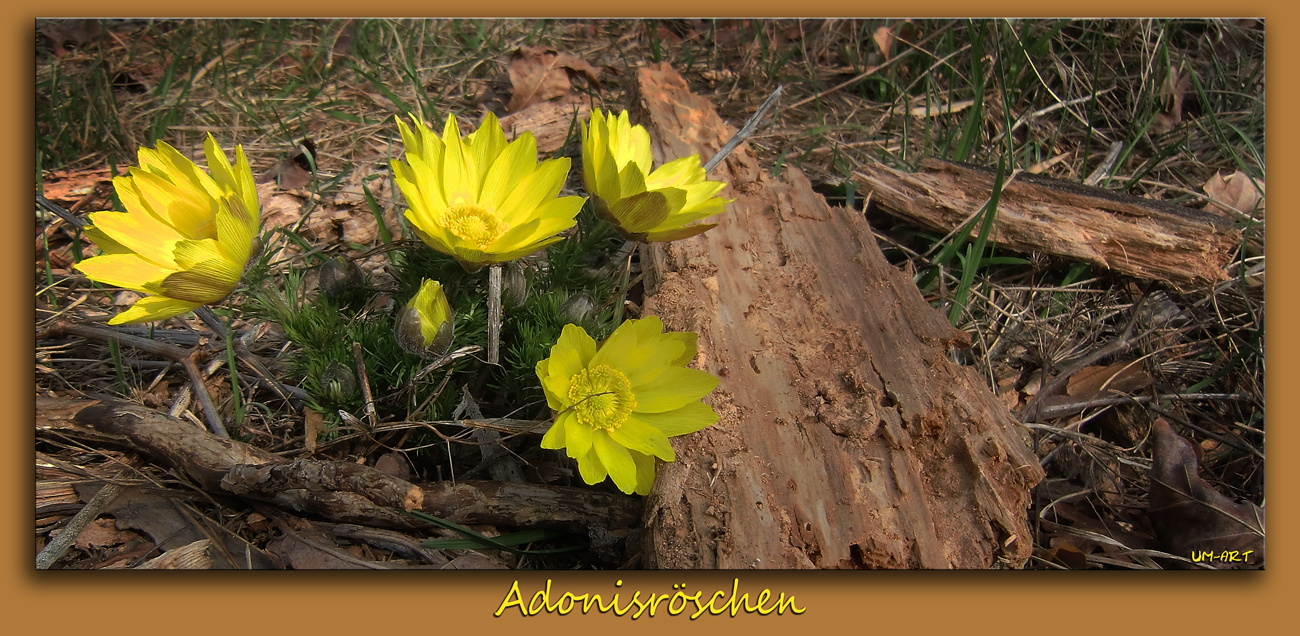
(847, 437)
(1139, 237)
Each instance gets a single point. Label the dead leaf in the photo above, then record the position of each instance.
(1232, 37)
(539, 74)
(279, 209)
(73, 33)
(1098, 382)
(313, 424)
(1172, 92)
(343, 43)
(1189, 515)
(294, 172)
(1234, 195)
(102, 533)
(308, 549)
(394, 464)
(884, 37)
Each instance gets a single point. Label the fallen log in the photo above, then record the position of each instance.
(1143, 238)
(342, 492)
(847, 436)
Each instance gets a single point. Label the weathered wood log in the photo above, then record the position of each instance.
(1144, 238)
(550, 122)
(847, 437)
(338, 491)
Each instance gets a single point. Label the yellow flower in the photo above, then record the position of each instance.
(426, 324)
(645, 206)
(618, 404)
(480, 199)
(185, 237)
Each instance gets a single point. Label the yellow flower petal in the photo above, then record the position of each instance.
(689, 350)
(679, 233)
(555, 438)
(151, 308)
(592, 470)
(616, 171)
(185, 237)
(140, 233)
(617, 461)
(621, 401)
(533, 190)
(205, 283)
(680, 421)
(482, 200)
(673, 389)
(578, 438)
(125, 270)
(645, 472)
(637, 435)
(517, 161)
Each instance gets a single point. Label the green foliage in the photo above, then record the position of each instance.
(323, 329)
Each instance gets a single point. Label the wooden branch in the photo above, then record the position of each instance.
(847, 437)
(1144, 238)
(338, 491)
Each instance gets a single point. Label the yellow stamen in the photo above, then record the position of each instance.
(602, 397)
(475, 223)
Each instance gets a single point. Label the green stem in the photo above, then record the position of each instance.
(625, 266)
(234, 371)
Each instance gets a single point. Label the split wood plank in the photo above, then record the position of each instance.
(847, 437)
(1144, 238)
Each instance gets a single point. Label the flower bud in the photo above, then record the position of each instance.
(514, 284)
(425, 325)
(337, 381)
(339, 276)
(578, 308)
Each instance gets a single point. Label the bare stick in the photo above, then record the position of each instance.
(58, 211)
(68, 535)
(745, 131)
(494, 314)
(188, 359)
(365, 384)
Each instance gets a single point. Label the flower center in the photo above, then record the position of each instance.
(476, 224)
(602, 397)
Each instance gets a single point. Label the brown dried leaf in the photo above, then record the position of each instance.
(1235, 194)
(308, 549)
(294, 172)
(1231, 38)
(394, 464)
(1188, 514)
(539, 74)
(343, 43)
(884, 37)
(102, 533)
(1099, 382)
(156, 515)
(313, 423)
(70, 32)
